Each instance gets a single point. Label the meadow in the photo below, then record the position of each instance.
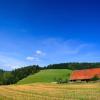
(51, 91)
(46, 76)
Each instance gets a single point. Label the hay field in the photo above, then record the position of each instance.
(47, 91)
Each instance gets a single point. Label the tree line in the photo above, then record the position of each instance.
(73, 66)
(12, 77)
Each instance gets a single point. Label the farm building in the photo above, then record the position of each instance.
(85, 75)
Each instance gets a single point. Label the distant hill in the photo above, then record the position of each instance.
(46, 76)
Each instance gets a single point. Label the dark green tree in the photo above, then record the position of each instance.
(95, 78)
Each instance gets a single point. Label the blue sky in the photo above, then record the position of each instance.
(48, 31)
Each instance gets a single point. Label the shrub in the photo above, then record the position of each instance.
(95, 78)
(60, 80)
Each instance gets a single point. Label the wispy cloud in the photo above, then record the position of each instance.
(40, 53)
(51, 50)
(36, 56)
(7, 62)
(35, 59)
(60, 50)
(65, 46)
(30, 58)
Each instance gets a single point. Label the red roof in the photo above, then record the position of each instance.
(85, 74)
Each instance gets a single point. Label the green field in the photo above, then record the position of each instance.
(51, 91)
(46, 76)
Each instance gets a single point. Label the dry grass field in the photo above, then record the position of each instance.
(47, 91)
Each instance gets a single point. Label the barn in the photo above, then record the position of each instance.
(85, 75)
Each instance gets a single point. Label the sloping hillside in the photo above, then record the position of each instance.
(46, 76)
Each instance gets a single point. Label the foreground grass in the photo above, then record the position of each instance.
(90, 91)
(46, 76)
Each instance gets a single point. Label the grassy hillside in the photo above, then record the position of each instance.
(46, 76)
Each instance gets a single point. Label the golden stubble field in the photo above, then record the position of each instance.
(46, 91)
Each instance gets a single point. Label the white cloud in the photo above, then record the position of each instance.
(36, 57)
(52, 51)
(39, 52)
(30, 58)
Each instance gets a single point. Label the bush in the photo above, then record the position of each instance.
(95, 78)
(60, 80)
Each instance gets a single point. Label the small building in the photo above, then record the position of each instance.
(85, 74)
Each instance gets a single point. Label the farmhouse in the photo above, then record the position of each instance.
(85, 75)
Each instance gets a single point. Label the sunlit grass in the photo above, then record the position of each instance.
(90, 91)
(46, 76)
